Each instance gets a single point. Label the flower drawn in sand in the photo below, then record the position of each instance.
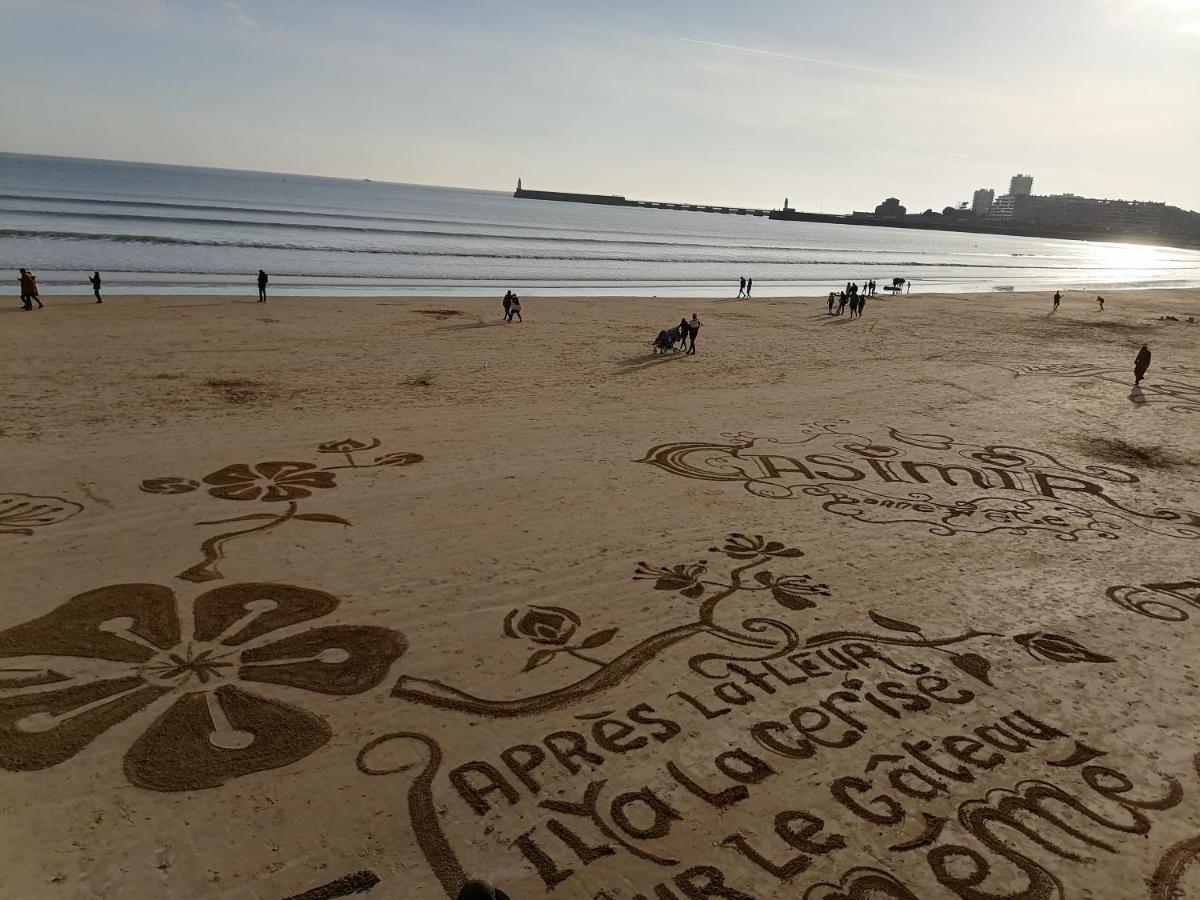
(269, 482)
(21, 513)
(553, 627)
(110, 654)
(1046, 647)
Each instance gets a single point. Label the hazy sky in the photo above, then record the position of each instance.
(834, 104)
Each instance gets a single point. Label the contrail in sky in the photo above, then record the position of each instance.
(809, 59)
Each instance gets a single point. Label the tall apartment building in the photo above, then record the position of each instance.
(1020, 185)
(982, 201)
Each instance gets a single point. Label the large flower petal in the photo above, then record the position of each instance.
(208, 738)
(243, 490)
(277, 493)
(44, 728)
(310, 479)
(337, 659)
(121, 622)
(282, 471)
(238, 473)
(240, 612)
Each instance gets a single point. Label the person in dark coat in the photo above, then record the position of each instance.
(262, 286)
(508, 295)
(749, 287)
(1141, 364)
(1057, 300)
(862, 304)
(742, 288)
(832, 298)
(693, 329)
(95, 280)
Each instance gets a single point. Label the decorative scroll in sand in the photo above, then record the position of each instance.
(1166, 600)
(273, 482)
(960, 488)
(206, 684)
(22, 513)
(1171, 879)
(1167, 388)
(785, 704)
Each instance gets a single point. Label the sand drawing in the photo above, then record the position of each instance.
(274, 482)
(21, 513)
(762, 639)
(753, 660)
(1165, 600)
(354, 883)
(1167, 388)
(125, 650)
(1167, 882)
(1028, 490)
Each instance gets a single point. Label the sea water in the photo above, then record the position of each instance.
(179, 229)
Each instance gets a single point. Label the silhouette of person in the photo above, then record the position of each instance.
(832, 297)
(29, 290)
(853, 305)
(262, 286)
(1100, 300)
(862, 304)
(508, 295)
(23, 280)
(749, 285)
(95, 280)
(1140, 364)
(842, 299)
(1057, 300)
(514, 308)
(693, 329)
(742, 287)
(872, 291)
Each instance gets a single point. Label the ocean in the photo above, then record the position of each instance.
(159, 229)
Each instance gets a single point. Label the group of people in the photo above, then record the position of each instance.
(30, 294)
(512, 307)
(852, 296)
(744, 288)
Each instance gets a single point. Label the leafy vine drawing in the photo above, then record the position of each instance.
(276, 482)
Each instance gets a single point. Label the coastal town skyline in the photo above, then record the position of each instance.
(692, 103)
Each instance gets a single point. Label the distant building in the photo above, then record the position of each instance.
(1020, 185)
(982, 201)
(1070, 212)
(890, 209)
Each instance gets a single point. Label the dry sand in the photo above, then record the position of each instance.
(592, 620)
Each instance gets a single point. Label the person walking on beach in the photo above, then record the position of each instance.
(508, 295)
(95, 280)
(22, 280)
(862, 304)
(832, 297)
(742, 288)
(693, 329)
(29, 290)
(1140, 364)
(853, 305)
(1057, 300)
(514, 308)
(842, 300)
(1100, 300)
(749, 285)
(262, 286)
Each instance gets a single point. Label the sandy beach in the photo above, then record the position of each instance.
(317, 596)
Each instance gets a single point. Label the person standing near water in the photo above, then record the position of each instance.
(693, 329)
(1100, 300)
(1140, 364)
(742, 288)
(1057, 300)
(95, 280)
(29, 290)
(749, 285)
(262, 286)
(514, 308)
(862, 303)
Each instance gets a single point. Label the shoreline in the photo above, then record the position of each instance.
(1076, 293)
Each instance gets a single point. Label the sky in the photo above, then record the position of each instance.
(835, 105)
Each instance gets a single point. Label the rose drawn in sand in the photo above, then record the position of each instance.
(553, 627)
(120, 651)
(269, 482)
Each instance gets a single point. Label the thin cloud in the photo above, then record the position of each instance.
(819, 62)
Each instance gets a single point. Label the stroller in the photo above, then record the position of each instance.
(668, 339)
